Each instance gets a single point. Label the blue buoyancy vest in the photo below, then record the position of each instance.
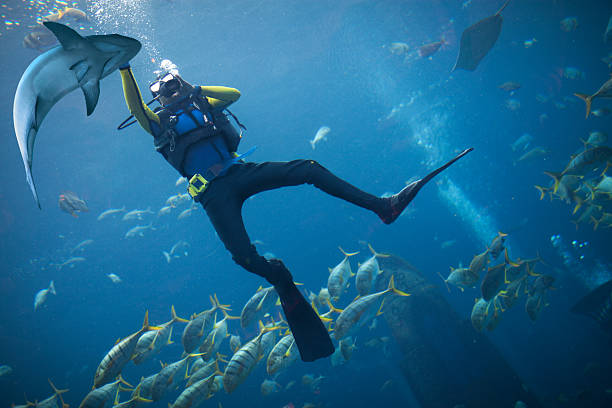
(195, 138)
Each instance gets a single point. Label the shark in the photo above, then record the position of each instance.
(77, 62)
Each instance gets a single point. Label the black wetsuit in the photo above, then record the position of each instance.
(225, 195)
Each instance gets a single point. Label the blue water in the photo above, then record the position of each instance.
(299, 66)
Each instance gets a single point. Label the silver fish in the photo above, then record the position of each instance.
(258, 305)
(319, 136)
(109, 212)
(283, 354)
(200, 325)
(244, 360)
(41, 296)
(362, 310)
(139, 230)
(118, 356)
(136, 214)
(152, 341)
(81, 245)
(195, 394)
(339, 276)
(170, 376)
(367, 272)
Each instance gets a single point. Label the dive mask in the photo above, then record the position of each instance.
(165, 86)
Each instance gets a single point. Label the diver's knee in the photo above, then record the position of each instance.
(245, 261)
(312, 170)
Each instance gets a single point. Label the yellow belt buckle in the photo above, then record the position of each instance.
(197, 185)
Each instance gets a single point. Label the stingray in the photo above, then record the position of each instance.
(478, 39)
(597, 305)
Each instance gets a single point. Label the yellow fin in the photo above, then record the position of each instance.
(542, 190)
(331, 307)
(122, 381)
(445, 280)
(228, 317)
(379, 312)
(587, 100)
(394, 289)
(221, 306)
(507, 259)
(175, 318)
(376, 254)
(169, 337)
(55, 390)
(145, 323)
(347, 254)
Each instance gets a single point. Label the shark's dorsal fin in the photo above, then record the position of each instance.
(69, 38)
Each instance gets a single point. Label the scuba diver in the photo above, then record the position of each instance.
(193, 133)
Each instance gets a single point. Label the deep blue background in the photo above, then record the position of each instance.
(301, 65)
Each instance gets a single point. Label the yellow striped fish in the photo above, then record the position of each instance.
(194, 395)
(258, 305)
(244, 360)
(367, 272)
(200, 325)
(100, 397)
(170, 376)
(339, 276)
(152, 341)
(362, 310)
(283, 354)
(118, 356)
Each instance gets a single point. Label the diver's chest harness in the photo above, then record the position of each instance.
(190, 121)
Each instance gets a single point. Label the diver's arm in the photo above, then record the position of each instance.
(220, 96)
(143, 114)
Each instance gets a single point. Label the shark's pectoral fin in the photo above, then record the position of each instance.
(69, 38)
(91, 90)
(80, 69)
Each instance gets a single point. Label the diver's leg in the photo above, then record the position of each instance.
(224, 211)
(271, 175)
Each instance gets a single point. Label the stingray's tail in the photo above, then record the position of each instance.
(502, 7)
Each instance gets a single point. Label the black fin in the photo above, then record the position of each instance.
(64, 34)
(310, 334)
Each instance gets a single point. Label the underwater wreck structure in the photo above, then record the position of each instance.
(445, 361)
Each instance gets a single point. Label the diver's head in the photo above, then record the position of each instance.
(169, 86)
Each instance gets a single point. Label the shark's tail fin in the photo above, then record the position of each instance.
(587, 100)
